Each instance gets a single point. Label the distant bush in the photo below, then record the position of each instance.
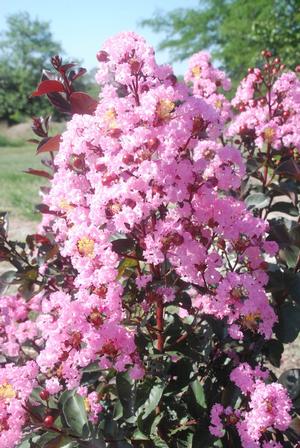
(6, 141)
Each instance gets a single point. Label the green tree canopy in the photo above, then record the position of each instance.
(234, 30)
(26, 46)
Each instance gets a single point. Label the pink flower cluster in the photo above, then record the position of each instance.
(148, 168)
(242, 300)
(91, 401)
(207, 81)
(268, 409)
(84, 331)
(16, 384)
(145, 183)
(269, 108)
(15, 325)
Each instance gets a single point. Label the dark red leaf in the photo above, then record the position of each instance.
(74, 75)
(122, 245)
(45, 190)
(46, 122)
(4, 253)
(59, 102)
(64, 68)
(40, 173)
(289, 168)
(48, 86)
(38, 127)
(49, 144)
(39, 239)
(82, 103)
(43, 208)
(48, 75)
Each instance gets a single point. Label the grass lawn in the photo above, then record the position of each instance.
(19, 192)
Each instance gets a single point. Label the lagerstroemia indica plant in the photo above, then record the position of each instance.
(149, 299)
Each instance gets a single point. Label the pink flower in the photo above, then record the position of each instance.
(221, 417)
(16, 384)
(245, 377)
(270, 408)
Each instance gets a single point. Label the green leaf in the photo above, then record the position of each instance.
(143, 391)
(279, 232)
(289, 255)
(295, 233)
(184, 438)
(138, 435)
(91, 374)
(95, 443)
(159, 443)
(119, 444)
(203, 438)
(294, 287)
(291, 380)
(273, 350)
(198, 391)
(65, 396)
(75, 413)
(24, 444)
(182, 371)
(252, 166)
(46, 440)
(126, 392)
(6, 280)
(148, 426)
(118, 410)
(59, 442)
(257, 200)
(126, 263)
(285, 207)
(113, 432)
(152, 401)
(288, 326)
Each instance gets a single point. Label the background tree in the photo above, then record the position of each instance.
(25, 45)
(234, 30)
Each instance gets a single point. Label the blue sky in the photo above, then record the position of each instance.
(83, 25)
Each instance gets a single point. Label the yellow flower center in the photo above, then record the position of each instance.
(87, 405)
(218, 104)
(164, 109)
(4, 426)
(269, 406)
(238, 292)
(209, 154)
(7, 392)
(269, 134)
(196, 71)
(31, 274)
(86, 247)
(110, 118)
(65, 205)
(251, 321)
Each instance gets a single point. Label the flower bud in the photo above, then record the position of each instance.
(48, 421)
(109, 179)
(172, 78)
(102, 56)
(44, 394)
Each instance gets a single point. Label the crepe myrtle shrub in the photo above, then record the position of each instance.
(160, 286)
